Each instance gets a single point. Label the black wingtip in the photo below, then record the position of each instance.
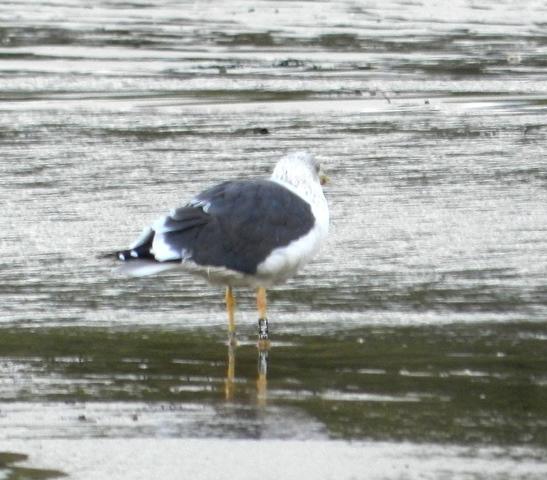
(122, 255)
(139, 253)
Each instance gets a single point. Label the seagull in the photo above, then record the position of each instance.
(241, 233)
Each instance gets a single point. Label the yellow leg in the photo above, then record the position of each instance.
(230, 308)
(261, 302)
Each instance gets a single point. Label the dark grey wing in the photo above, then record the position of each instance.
(238, 224)
(235, 225)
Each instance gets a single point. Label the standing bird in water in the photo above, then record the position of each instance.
(241, 233)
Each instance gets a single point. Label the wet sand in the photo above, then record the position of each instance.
(273, 459)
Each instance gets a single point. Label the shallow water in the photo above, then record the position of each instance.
(423, 318)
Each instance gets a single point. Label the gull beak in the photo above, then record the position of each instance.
(323, 179)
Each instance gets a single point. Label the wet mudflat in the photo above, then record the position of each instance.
(415, 344)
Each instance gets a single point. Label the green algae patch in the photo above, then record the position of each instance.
(13, 472)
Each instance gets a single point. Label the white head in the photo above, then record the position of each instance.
(300, 172)
(298, 169)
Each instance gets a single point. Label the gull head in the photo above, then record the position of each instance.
(298, 169)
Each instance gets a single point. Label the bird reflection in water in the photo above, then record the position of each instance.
(229, 383)
(261, 379)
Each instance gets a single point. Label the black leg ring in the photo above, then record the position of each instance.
(263, 329)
